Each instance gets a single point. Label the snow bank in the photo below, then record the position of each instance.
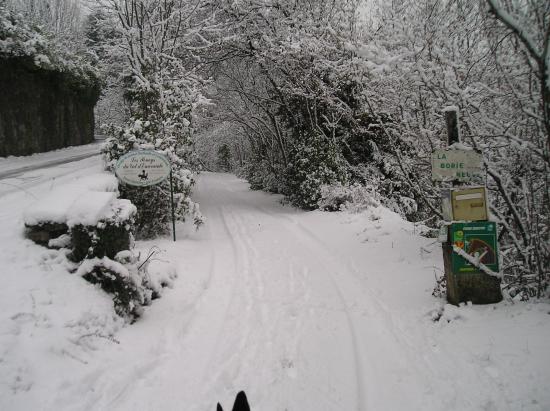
(53, 208)
(84, 201)
(100, 182)
(121, 211)
(89, 208)
(88, 265)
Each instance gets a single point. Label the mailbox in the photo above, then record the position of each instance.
(469, 204)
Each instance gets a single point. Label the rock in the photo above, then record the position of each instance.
(43, 232)
(42, 110)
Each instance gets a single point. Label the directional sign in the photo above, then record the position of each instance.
(479, 240)
(456, 165)
(142, 168)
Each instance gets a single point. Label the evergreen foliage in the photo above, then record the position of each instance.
(315, 162)
(161, 93)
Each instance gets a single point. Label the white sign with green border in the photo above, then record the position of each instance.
(142, 168)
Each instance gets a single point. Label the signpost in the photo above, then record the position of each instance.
(143, 168)
(470, 248)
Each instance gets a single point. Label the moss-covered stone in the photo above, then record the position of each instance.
(44, 232)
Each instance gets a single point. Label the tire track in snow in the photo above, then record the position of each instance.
(358, 363)
(269, 320)
(379, 313)
(260, 331)
(399, 335)
(356, 354)
(15, 185)
(224, 362)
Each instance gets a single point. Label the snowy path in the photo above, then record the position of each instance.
(303, 311)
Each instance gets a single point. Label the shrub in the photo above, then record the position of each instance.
(124, 285)
(315, 162)
(353, 197)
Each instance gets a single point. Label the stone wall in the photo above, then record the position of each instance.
(42, 110)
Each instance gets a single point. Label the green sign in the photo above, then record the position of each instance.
(478, 239)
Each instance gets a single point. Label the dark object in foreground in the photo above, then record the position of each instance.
(241, 403)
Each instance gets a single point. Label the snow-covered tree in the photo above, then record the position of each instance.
(292, 82)
(157, 42)
(60, 18)
(430, 54)
(366, 85)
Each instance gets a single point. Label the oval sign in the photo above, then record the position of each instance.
(142, 168)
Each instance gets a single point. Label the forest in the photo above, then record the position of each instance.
(333, 103)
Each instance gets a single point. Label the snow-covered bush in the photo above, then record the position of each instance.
(161, 92)
(354, 197)
(132, 281)
(263, 176)
(126, 285)
(111, 234)
(314, 162)
(158, 274)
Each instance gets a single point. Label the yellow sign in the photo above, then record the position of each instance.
(469, 204)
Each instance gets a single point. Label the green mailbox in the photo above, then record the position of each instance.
(478, 239)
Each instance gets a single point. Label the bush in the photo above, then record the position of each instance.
(110, 235)
(29, 43)
(133, 282)
(124, 285)
(353, 197)
(315, 162)
(263, 176)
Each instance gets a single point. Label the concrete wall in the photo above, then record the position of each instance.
(42, 110)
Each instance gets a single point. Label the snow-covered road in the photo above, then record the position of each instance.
(302, 310)
(13, 166)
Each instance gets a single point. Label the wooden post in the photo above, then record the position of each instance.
(453, 136)
(479, 288)
(453, 130)
(172, 206)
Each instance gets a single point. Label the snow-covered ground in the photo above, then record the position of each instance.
(302, 310)
(15, 165)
